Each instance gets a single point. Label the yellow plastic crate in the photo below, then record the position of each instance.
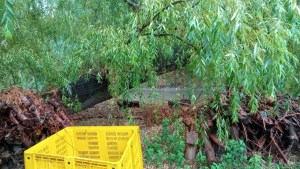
(117, 147)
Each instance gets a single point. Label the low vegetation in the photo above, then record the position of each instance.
(167, 146)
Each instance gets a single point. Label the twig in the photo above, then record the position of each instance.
(254, 143)
(296, 120)
(198, 97)
(267, 146)
(253, 134)
(249, 149)
(278, 148)
(289, 115)
(261, 142)
(285, 115)
(253, 120)
(245, 132)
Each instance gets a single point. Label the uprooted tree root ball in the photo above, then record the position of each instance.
(26, 119)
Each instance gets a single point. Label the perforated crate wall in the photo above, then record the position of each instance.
(116, 147)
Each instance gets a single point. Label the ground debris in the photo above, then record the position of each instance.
(26, 119)
(265, 131)
(272, 130)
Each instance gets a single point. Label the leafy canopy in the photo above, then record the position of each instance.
(249, 47)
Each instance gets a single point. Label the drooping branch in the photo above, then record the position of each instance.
(177, 37)
(158, 13)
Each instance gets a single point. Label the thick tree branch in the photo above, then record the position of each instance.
(133, 5)
(158, 13)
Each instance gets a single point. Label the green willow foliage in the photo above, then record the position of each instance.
(8, 16)
(249, 47)
(54, 42)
